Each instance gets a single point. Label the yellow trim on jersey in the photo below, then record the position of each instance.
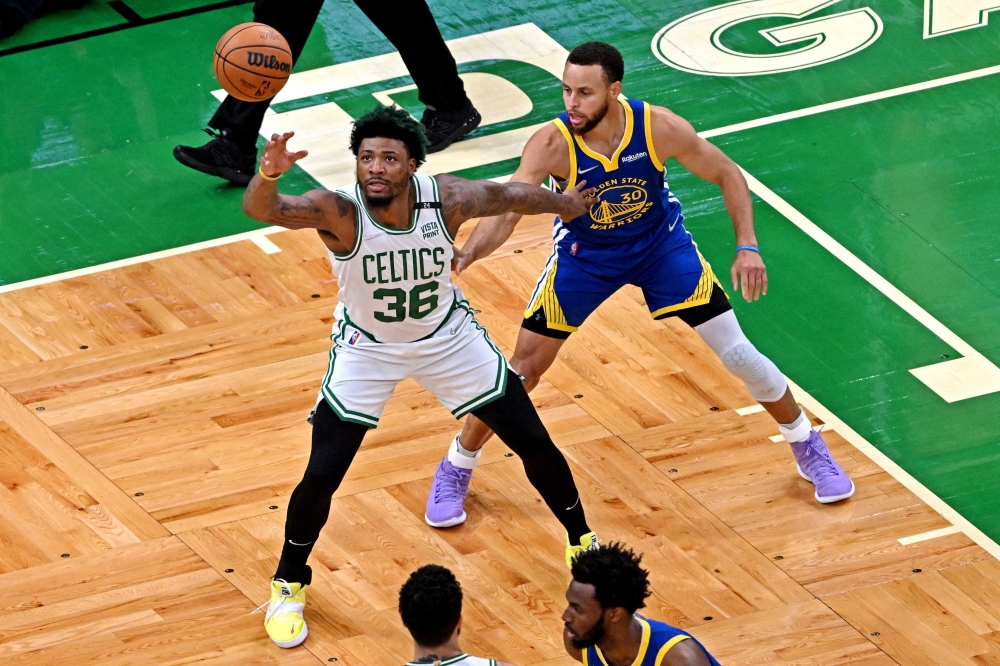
(648, 125)
(702, 293)
(612, 164)
(547, 300)
(571, 178)
(643, 646)
(666, 648)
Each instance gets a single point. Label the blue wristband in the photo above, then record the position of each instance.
(752, 248)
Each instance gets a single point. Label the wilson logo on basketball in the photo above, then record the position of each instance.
(267, 62)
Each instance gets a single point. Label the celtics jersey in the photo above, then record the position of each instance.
(457, 660)
(395, 284)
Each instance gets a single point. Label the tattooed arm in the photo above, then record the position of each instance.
(463, 199)
(330, 214)
(544, 154)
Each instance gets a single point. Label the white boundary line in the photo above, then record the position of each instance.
(853, 101)
(859, 267)
(927, 536)
(99, 268)
(959, 522)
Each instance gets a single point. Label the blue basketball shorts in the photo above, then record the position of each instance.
(666, 265)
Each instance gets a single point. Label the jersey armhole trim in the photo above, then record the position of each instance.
(571, 178)
(648, 126)
(358, 231)
(665, 648)
(440, 211)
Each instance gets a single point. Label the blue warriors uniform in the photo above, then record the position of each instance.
(657, 639)
(634, 235)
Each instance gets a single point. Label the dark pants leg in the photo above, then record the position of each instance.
(334, 445)
(514, 420)
(408, 24)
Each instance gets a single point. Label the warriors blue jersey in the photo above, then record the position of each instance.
(657, 639)
(633, 235)
(633, 195)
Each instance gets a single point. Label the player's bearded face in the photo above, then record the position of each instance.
(587, 96)
(590, 636)
(590, 120)
(583, 619)
(384, 168)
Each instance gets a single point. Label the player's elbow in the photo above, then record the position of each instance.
(252, 209)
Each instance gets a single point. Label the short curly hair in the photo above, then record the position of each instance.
(614, 571)
(599, 53)
(430, 605)
(391, 122)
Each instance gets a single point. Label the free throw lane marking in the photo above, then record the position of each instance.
(927, 536)
(265, 244)
(975, 376)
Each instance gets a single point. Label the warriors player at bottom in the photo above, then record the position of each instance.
(390, 242)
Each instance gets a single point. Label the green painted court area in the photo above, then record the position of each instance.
(907, 184)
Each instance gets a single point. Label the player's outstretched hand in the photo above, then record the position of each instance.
(276, 159)
(749, 275)
(578, 200)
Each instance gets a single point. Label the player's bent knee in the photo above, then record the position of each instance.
(530, 375)
(761, 376)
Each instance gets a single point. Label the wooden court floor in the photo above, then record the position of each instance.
(152, 427)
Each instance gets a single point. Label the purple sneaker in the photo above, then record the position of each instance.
(445, 503)
(817, 466)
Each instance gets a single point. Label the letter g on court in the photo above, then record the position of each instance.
(693, 43)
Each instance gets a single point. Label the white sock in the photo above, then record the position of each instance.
(797, 430)
(459, 456)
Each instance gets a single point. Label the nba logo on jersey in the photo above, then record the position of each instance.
(354, 338)
(573, 247)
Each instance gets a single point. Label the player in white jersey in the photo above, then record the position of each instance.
(390, 242)
(430, 605)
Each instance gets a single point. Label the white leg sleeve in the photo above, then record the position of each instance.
(762, 378)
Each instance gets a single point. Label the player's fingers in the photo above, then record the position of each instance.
(590, 192)
(745, 285)
(763, 277)
(756, 285)
(579, 186)
(299, 155)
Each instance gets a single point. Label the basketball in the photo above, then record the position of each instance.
(252, 62)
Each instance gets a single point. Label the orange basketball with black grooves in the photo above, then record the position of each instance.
(252, 62)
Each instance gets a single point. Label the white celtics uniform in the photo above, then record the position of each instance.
(400, 316)
(458, 660)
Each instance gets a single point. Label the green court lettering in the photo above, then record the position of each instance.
(424, 276)
(379, 258)
(392, 267)
(437, 261)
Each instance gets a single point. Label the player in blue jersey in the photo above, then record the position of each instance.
(634, 235)
(602, 627)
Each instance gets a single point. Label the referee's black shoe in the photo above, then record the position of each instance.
(444, 128)
(220, 157)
